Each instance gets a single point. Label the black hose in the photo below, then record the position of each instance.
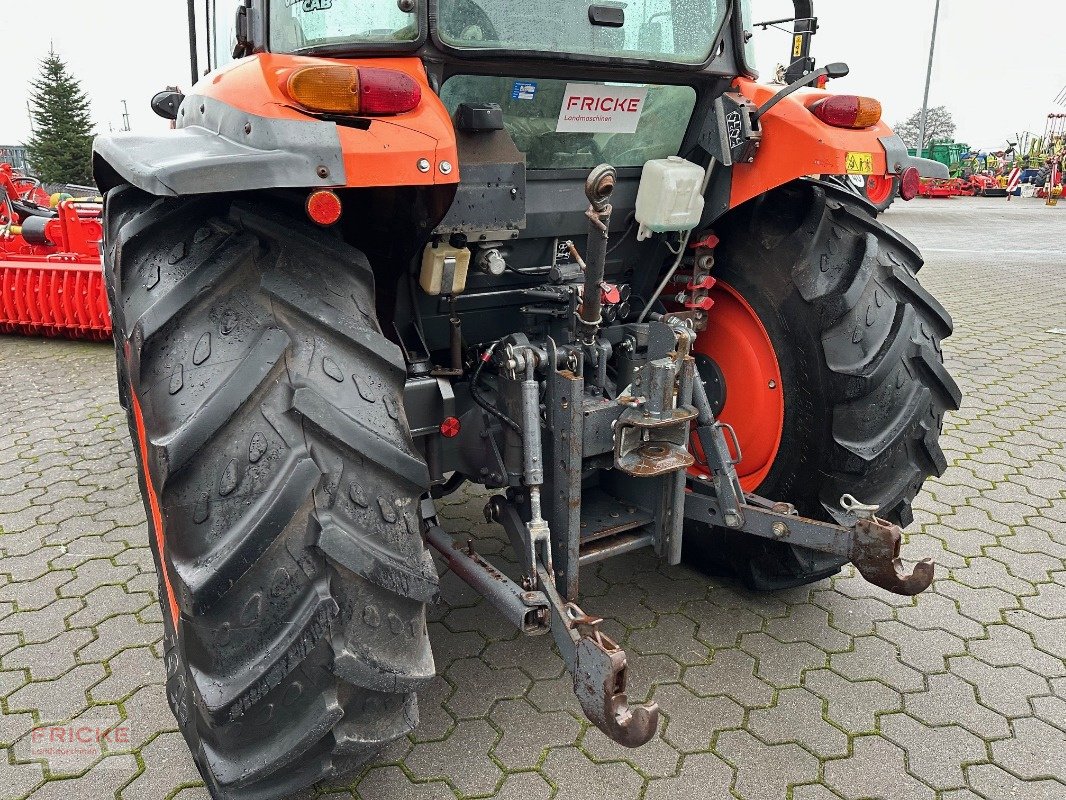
(481, 400)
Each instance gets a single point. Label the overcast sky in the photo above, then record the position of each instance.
(998, 67)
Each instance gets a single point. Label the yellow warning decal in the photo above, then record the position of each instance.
(859, 163)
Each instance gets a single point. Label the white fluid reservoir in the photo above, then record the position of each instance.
(670, 197)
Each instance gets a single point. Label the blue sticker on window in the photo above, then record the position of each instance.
(524, 90)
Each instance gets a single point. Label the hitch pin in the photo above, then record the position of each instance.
(860, 510)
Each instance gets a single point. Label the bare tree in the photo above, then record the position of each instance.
(938, 125)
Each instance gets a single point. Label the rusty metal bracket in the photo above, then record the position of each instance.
(875, 553)
(651, 438)
(598, 666)
(526, 610)
(872, 544)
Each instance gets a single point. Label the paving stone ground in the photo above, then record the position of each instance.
(838, 690)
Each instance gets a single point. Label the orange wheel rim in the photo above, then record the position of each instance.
(738, 343)
(878, 188)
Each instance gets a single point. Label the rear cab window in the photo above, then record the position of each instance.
(563, 124)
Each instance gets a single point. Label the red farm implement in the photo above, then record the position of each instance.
(51, 282)
(939, 187)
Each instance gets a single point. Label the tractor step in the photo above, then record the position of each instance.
(603, 549)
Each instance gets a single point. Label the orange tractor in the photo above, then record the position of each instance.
(563, 250)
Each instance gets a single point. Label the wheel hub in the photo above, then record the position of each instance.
(735, 353)
(713, 381)
(878, 188)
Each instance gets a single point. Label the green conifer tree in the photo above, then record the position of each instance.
(60, 148)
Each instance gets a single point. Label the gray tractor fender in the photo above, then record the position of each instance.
(899, 159)
(218, 148)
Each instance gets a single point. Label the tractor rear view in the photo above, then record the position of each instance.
(561, 250)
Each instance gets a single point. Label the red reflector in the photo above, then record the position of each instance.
(387, 91)
(450, 428)
(909, 182)
(324, 207)
(848, 111)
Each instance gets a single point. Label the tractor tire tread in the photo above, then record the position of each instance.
(294, 556)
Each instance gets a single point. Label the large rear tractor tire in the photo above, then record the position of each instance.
(281, 486)
(834, 378)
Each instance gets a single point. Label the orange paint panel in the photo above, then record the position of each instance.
(153, 505)
(796, 143)
(385, 154)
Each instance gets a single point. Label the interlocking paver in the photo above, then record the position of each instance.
(924, 651)
(934, 755)
(1035, 750)
(852, 705)
(469, 744)
(1050, 634)
(781, 663)
(524, 786)
(994, 783)
(164, 769)
(392, 782)
(48, 660)
(838, 691)
(1052, 710)
(19, 779)
(104, 779)
(694, 721)
(1007, 690)
(477, 686)
(580, 778)
(730, 673)
(59, 699)
(875, 769)
(876, 658)
(797, 717)
(527, 733)
(1007, 646)
(702, 775)
(764, 772)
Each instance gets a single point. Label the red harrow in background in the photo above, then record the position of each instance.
(51, 282)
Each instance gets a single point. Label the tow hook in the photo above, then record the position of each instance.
(870, 543)
(875, 548)
(598, 666)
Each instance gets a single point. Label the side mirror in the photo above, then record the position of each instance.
(165, 104)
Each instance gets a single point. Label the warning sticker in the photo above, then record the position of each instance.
(590, 108)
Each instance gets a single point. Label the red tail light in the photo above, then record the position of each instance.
(335, 89)
(909, 182)
(848, 111)
(387, 91)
